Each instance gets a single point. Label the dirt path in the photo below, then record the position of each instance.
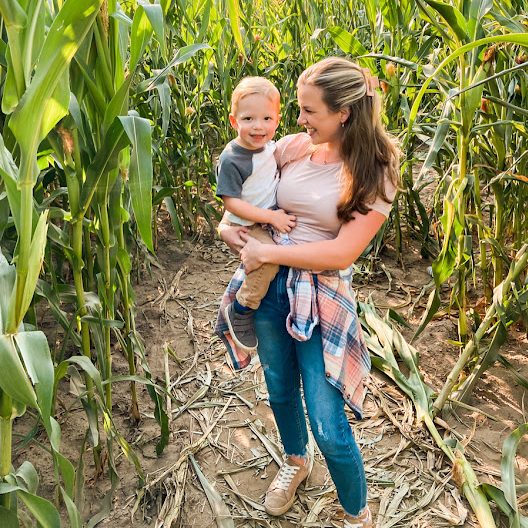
(409, 480)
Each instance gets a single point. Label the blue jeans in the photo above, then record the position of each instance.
(286, 362)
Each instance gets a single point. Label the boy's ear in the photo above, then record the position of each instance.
(233, 121)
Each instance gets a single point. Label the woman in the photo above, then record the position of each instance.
(338, 179)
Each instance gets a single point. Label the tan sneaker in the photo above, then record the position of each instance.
(364, 520)
(281, 493)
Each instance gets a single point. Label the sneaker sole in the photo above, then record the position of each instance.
(233, 337)
(279, 511)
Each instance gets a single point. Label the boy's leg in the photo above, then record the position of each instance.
(256, 283)
(239, 314)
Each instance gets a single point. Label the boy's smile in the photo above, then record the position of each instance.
(256, 120)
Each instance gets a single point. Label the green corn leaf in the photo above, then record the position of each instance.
(105, 161)
(181, 56)
(68, 473)
(15, 19)
(28, 474)
(73, 513)
(233, 9)
(497, 495)
(88, 367)
(7, 283)
(516, 38)
(13, 378)
(478, 9)
(165, 100)
(473, 97)
(140, 174)
(140, 35)
(43, 510)
(509, 451)
(9, 174)
(8, 518)
(34, 349)
(398, 60)
(119, 103)
(433, 304)
(453, 17)
(347, 41)
(36, 257)
(37, 106)
(442, 128)
(154, 13)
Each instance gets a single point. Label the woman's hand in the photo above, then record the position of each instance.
(232, 236)
(251, 254)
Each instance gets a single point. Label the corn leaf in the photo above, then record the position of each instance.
(509, 451)
(7, 283)
(28, 474)
(105, 161)
(15, 20)
(9, 174)
(220, 511)
(37, 107)
(139, 36)
(453, 17)
(8, 518)
(13, 378)
(34, 349)
(140, 174)
(516, 38)
(43, 510)
(347, 41)
(36, 257)
(73, 513)
(233, 9)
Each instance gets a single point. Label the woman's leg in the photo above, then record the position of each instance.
(330, 426)
(276, 351)
(277, 355)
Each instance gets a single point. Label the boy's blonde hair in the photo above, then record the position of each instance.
(254, 85)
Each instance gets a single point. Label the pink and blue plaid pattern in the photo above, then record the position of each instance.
(324, 299)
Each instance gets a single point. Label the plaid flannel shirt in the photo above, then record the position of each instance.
(325, 299)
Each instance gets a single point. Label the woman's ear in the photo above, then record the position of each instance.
(345, 114)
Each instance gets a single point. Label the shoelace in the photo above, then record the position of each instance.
(286, 475)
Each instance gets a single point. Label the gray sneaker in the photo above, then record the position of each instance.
(242, 328)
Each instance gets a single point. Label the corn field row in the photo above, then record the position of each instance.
(112, 110)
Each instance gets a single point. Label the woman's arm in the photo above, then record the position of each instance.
(338, 253)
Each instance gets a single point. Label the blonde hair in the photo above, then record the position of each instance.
(254, 85)
(370, 154)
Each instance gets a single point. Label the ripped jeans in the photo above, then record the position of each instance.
(286, 362)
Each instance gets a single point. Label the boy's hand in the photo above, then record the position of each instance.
(282, 221)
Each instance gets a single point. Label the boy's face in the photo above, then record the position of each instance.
(256, 120)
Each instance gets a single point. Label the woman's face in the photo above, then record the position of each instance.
(322, 124)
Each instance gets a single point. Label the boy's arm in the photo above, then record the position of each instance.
(282, 221)
(247, 211)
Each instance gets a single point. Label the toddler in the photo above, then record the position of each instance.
(247, 179)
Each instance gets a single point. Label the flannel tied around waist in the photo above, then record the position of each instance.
(324, 299)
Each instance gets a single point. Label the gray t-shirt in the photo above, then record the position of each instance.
(250, 175)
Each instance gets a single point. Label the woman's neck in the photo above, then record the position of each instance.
(327, 153)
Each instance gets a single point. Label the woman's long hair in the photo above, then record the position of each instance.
(369, 153)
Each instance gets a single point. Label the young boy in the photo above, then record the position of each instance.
(247, 179)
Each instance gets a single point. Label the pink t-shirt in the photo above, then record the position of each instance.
(311, 191)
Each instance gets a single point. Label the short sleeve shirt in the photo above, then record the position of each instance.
(250, 175)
